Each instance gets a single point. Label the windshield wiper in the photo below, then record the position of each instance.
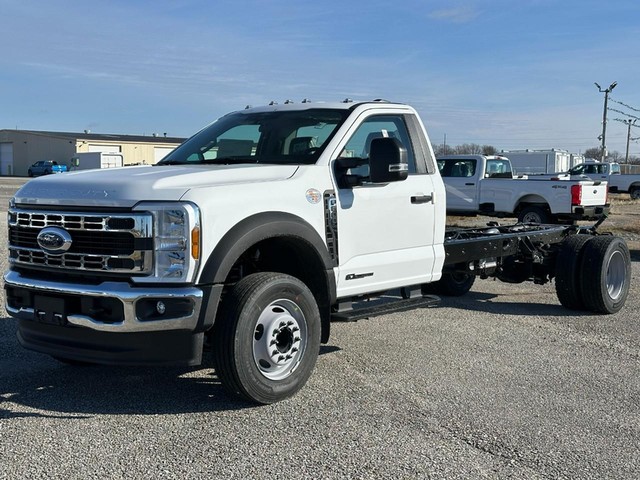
(171, 162)
(229, 160)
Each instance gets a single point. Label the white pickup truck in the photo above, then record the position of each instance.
(257, 232)
(606, 172)
(478, 184)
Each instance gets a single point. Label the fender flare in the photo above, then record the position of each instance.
(249, 232)
(254, 229)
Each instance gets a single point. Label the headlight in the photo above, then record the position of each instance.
(176, 232)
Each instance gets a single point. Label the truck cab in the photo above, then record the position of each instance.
(463, 174)
(596, 170)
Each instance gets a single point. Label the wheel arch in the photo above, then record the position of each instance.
(286, 244)
(531, 200)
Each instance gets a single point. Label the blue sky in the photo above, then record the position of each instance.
(509, 73)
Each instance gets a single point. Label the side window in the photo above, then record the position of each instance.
(457, 168)
(498, 169)
(378, 127)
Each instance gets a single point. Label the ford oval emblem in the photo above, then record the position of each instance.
(54, 240)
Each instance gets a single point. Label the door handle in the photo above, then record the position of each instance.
(470, 184)
(421, 198)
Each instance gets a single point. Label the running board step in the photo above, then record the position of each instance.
(393, 306)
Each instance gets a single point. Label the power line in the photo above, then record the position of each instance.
(625, 105)
(626, 122)
(623, 113)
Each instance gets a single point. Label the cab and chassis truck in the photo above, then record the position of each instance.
(256, 233)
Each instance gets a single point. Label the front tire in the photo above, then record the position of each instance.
(266, 339)
(606, 274)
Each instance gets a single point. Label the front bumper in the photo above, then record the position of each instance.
(26, 300)
(112, 322)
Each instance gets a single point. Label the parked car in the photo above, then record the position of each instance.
(46, 167)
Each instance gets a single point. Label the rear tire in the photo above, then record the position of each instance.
(451, 284)
(635, 193)
(266, 339)
(606, 274)
(567, 272)
(534, 214)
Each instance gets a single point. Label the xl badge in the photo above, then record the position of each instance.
(54, 240)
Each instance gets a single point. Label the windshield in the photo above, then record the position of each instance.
(278, 137)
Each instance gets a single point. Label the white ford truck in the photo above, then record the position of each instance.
(607, 172)
(257, 232)
(478, 184)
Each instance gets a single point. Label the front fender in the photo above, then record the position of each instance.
(254, 229)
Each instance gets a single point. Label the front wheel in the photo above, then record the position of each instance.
(266, 339)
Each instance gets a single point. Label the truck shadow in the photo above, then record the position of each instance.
(59, 390)
(36, 385)
(508, 305)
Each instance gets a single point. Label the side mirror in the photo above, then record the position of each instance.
(387, 160)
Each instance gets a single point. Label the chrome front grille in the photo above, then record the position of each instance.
(113, 242)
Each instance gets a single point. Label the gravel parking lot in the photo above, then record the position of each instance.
(501, 383)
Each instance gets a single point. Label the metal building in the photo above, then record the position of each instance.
(21, 148)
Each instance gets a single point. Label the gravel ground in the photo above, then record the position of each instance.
(501, 383)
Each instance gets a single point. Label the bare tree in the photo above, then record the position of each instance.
(464, 149)
(615, 156)
(595, 152)
(469, 149)
(489, 150)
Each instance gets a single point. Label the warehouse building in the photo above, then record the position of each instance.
(19, 149)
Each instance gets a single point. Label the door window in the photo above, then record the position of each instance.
(380, 126)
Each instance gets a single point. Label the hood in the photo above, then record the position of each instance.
(126, 186)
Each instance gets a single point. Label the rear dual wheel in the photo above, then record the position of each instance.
(593, 273)
(451, 284)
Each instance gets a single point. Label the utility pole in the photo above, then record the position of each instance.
(606, 92)
(629, 123)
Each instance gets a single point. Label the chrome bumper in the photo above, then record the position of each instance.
(121, 291)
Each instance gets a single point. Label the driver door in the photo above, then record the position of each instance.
(386, 231)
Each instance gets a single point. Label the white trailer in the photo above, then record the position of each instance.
(92, 160)
(532, 162)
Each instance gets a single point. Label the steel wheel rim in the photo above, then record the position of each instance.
(279, 339)
(616, 275)
(531, 217)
